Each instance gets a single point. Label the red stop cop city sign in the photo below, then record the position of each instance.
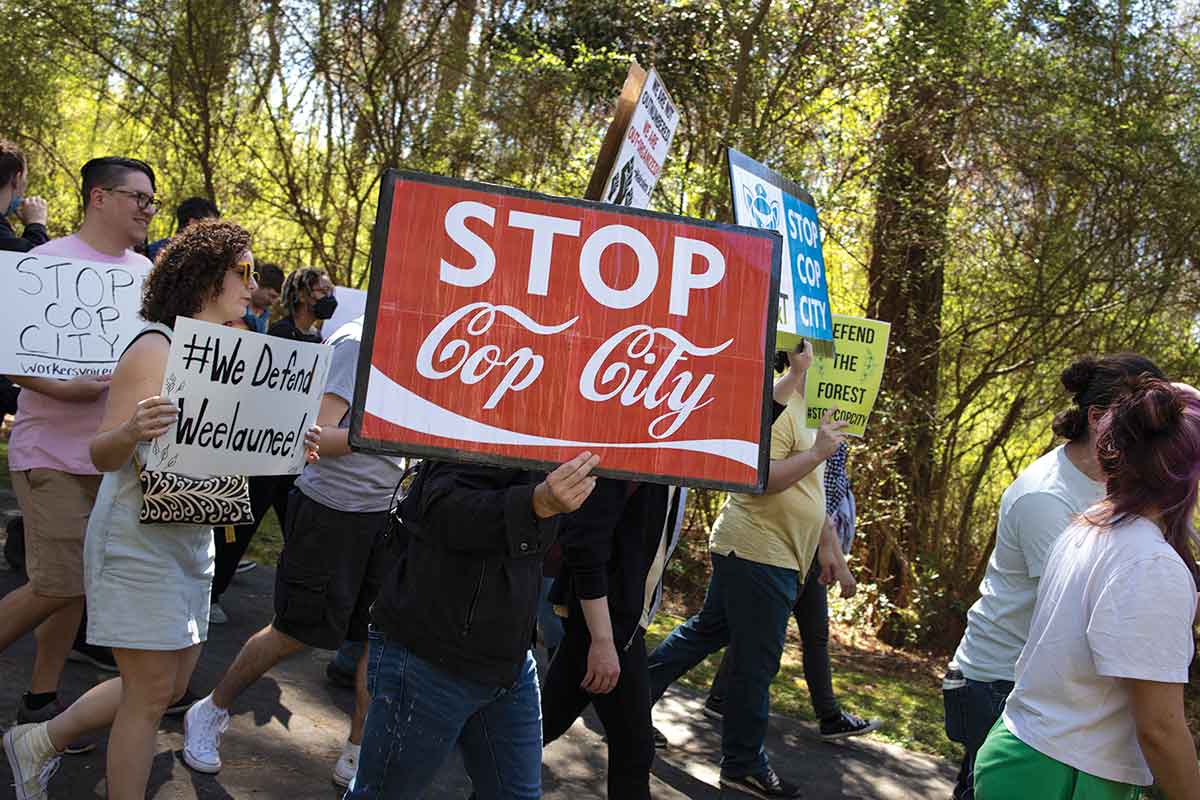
(514, 328)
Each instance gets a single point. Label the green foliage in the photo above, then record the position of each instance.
(1022, 173)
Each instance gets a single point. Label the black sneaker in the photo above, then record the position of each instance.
(765, 784)
(714, 707)
(181, 705)
(846, 725)
(99, 657)
(26, 715)
(660, 741)
(338, 676)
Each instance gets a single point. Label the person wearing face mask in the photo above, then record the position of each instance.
(30, 210)
(307, 298)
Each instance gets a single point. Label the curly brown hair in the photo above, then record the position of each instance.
(191, 269)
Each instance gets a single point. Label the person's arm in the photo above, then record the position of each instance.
(603, 663)
(335, 441)
(792, 381)
(1140, 631)
(135, 411)
(586, 538)
(787, 471)
(833, 562)
(461, 508)
(1163, 735)
(83, 389)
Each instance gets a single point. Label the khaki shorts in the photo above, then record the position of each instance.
(55, 506)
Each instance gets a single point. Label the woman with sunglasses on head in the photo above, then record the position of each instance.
(1097, 711)
(147, 584)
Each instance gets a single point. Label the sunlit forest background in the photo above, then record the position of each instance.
(1010, 183)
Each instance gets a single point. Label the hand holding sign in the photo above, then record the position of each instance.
(801, 358)
(830, 435)
(154, 417)
(565, 489)
(312, 444)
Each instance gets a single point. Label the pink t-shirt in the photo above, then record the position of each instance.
(49, 433)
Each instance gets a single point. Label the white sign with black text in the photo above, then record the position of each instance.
(245, 401)
(65, 317)
(644, 148)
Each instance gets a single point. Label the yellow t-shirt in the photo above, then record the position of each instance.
(781, 529)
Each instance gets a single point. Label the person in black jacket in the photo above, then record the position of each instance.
(14, 175)
(615, 550)
(449, 662)
(615, 553)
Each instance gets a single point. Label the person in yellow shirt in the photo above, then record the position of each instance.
(761, 546)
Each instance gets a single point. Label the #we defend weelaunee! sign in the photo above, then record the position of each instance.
(762, 198)
(849, 380)
(514, 328)
(245, 401)
(66, 317)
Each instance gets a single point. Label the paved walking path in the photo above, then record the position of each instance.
(288, 728)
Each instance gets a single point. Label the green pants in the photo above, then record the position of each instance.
(1008, 769)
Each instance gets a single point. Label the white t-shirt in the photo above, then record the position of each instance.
(1034, 511)
(1115, 603)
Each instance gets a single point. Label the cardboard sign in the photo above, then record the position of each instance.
(245, 401)
(765, 199)
(644, 148)
(850, 379)
(514, 328)
(67, 317)
(635, 79)
(352, 303)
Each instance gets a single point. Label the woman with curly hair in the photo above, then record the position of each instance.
(306, 297)
(147, 585)
(1098, 711)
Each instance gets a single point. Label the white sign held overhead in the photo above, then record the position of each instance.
(351, 304)
(644, 147)
(66, 317)
(245, 401)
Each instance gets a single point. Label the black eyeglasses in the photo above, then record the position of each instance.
(144, 201)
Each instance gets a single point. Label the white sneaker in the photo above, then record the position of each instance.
(347, 765)
(217, 615)
(203, 725)
(32, 759)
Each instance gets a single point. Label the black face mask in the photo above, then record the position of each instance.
(324, 308)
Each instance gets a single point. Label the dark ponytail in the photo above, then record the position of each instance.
(1097, 383)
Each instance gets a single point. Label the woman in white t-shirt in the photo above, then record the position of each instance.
(1097, 710)
(1035, 510)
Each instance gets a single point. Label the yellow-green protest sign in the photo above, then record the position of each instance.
(850, 379)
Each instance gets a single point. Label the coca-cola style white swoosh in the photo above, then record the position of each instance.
(393, 403)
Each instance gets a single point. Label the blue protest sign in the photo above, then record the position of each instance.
(762, 198)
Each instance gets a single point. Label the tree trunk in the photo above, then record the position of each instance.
(906, 269)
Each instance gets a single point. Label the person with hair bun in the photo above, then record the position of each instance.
(1034, 511)
(1097, 711)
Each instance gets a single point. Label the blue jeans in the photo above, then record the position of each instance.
(976, 707)
(747, 607)
(419, 713)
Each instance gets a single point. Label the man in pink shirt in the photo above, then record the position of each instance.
(48, 457)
